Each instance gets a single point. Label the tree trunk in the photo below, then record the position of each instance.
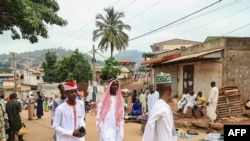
(111, 48)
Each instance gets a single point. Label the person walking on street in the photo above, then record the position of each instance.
(31, 106)
(68, 120)
(153, 96)
(13, 109)
(58, 101)
(160, 124)
(143, 100)
(39, 108)
(110, 113)
(3, 119)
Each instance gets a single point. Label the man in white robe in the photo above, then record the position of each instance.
(153, 96)
(182, 101)
(69, 116)
(190, 102)
(212, 102)
(160, 124)
(110, 113)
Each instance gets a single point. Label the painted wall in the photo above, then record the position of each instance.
(172, 47)
(204, 73)
(173, 70)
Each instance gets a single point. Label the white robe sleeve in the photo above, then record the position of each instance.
(82, 121)
(57, 121)
(160, 120)
(98, 114)
(149, 132)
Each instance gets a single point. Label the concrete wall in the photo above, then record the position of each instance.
(172, 47)
(206, 46)
(204, 73)
(236, 65)
(173, 70)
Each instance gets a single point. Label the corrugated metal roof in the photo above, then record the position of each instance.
(192, 56)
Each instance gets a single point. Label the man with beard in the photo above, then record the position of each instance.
(110, 113)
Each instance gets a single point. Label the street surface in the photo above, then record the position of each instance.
(41, 130)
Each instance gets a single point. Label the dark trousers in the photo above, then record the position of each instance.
(11, 135)
(199, 108)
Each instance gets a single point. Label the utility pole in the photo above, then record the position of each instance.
(14, 69)
(94, 61)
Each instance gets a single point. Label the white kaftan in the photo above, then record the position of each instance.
(68, 118)
(108, 130)
(90, 92)
(190, 102)
(160, 124)
(212, 99)
(182, 101)
(152, 98)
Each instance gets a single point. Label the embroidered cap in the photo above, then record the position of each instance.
(69, 85)
(163, 78)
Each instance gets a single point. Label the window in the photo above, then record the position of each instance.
(38, 77)
(157, 49)
(21, 77)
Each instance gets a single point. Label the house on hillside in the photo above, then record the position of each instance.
(31, 77)
(8, 85)
(225, 60)
(5, 76)
(130, 65)
(125, 73)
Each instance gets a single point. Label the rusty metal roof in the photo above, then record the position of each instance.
(197, 55)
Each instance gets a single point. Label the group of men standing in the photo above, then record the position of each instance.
(68, 113)
(197, 102)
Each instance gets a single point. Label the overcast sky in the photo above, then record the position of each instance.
(227, 18)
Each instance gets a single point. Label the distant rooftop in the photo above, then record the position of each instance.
(176, 42)
(125, 61)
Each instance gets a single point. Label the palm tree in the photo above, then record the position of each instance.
(110, 29)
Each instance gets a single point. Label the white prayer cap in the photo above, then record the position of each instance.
(30, 93)
(163, 78)
(69, 86)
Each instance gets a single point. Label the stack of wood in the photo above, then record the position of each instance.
(230, 102)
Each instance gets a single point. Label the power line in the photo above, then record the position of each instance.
(236, 29)
(79, 37)
(210, 22)
(82, 27)
(175, 21)
(101, 55)
(128, 5)
(151, 6)
(206, 13)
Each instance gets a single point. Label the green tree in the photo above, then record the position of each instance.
(110, 29)
(111, 69)
(49, 66)
(29, 16)
(74, 67)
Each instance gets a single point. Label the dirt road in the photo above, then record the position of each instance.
(41, 130)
